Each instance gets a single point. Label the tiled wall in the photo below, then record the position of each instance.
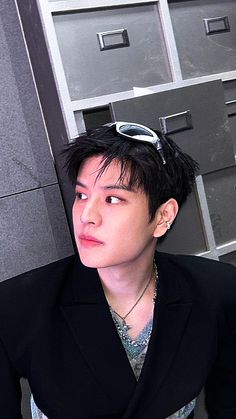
(33, 224)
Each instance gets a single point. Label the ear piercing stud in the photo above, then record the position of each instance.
(168, 225)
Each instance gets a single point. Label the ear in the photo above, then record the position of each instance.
(165, 216)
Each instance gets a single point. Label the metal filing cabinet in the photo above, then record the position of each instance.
(220, 187)
(100, 50)
(230, 101)
(203, 132)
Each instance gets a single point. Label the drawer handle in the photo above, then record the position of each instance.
(216, 25)
(176, 122)
(231, 107)
(113, 39)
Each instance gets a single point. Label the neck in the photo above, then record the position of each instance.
(130, 293)
(125, 282)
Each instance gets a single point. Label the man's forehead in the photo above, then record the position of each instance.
(96, 171)
(96, 167)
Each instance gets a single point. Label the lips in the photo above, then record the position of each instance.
(86, 240)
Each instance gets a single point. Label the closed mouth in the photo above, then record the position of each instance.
(89, 239)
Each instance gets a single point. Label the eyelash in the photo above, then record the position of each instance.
(79, 195)
(108, 198)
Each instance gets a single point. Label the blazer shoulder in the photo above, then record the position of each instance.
(35, 279)
(200, 266)
(206, 279)
(26, 299)
(201, 274)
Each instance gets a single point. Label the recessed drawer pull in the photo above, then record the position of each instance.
(113, 39)
(176, 122)
(216, 25)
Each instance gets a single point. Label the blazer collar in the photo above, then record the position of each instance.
(87, 314)
(172, 310)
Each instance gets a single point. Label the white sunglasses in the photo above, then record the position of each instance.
(138, 132)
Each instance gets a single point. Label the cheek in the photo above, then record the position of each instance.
(131, 228)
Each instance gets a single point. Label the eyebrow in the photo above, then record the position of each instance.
(78, 183)
(108, 187)
(116, 186)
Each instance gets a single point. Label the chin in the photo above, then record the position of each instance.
(89, 264)
(90, 261)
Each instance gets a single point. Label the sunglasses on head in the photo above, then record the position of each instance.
(138, 132)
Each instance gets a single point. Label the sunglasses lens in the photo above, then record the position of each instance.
(136, 132)
(141, 133)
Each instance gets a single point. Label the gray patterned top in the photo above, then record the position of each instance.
(135, 349)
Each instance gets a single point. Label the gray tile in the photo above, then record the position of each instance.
(58, 221)
(25, 159)
(33, 231)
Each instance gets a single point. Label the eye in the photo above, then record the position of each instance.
(81, 196)
(113, 199)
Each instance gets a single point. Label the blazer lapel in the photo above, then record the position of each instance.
(171, 313)
(86, 311)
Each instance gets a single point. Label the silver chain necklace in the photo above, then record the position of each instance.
(126, 326)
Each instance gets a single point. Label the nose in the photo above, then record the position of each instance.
(91, 213)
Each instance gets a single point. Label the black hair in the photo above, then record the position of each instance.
(140, 161)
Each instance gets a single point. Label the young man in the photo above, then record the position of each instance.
(128, 333)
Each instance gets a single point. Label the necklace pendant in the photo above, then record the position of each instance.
(126, 326)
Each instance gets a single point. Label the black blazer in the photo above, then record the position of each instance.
(56, 330)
